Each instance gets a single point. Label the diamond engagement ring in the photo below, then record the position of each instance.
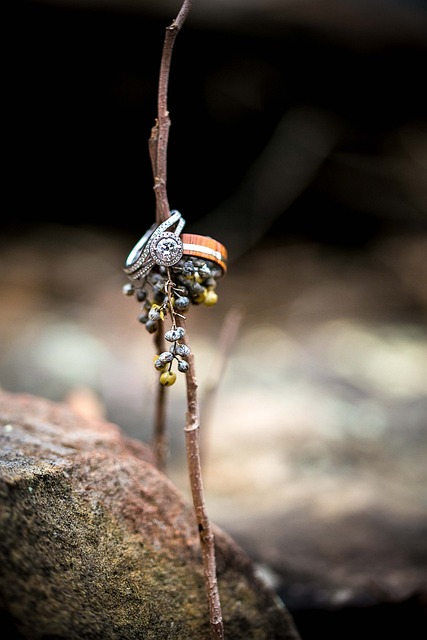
(159, 245)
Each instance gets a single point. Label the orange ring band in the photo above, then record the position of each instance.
(205, 247)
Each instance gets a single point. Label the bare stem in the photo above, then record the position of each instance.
(158, 142)
(207, 541)
(157, 145)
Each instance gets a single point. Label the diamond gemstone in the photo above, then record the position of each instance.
(166, 249)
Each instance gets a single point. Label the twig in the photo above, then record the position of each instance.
(160, 132)
(157, 146)
(158, 154)
(207, 541)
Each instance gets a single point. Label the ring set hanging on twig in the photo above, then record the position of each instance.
(165, 248)
(168, 273)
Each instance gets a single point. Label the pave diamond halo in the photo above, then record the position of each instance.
(166, 249)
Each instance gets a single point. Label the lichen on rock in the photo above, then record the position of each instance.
(96, 543)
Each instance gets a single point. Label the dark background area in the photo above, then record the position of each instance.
(304, 124)
(84, 99)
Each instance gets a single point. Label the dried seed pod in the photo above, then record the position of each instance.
(217, 272)
(128, 289)
(156, 278)
(151, 326)
(188, 268)
(159, 365)
(174, 334)
(165, 357)
(159, 295)
(141, 295)
(183, 366)
(181, 350)
(182, 303)
(210, 283)
(156, 313)
(204, 271)
(196, 289)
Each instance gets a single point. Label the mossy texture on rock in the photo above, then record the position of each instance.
(97, 544)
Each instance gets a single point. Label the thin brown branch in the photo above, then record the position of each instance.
(158, 142)
(157, 146)
(207, 541)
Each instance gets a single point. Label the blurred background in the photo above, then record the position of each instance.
(298, 140)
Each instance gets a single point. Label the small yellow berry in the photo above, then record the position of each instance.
(202, 297)
(211, 298)
(167, 379)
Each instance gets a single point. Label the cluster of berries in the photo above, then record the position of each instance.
(172, 290)
(178, 352)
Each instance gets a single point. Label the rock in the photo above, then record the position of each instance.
(97, 543)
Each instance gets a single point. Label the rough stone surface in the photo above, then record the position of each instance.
(96, 543)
